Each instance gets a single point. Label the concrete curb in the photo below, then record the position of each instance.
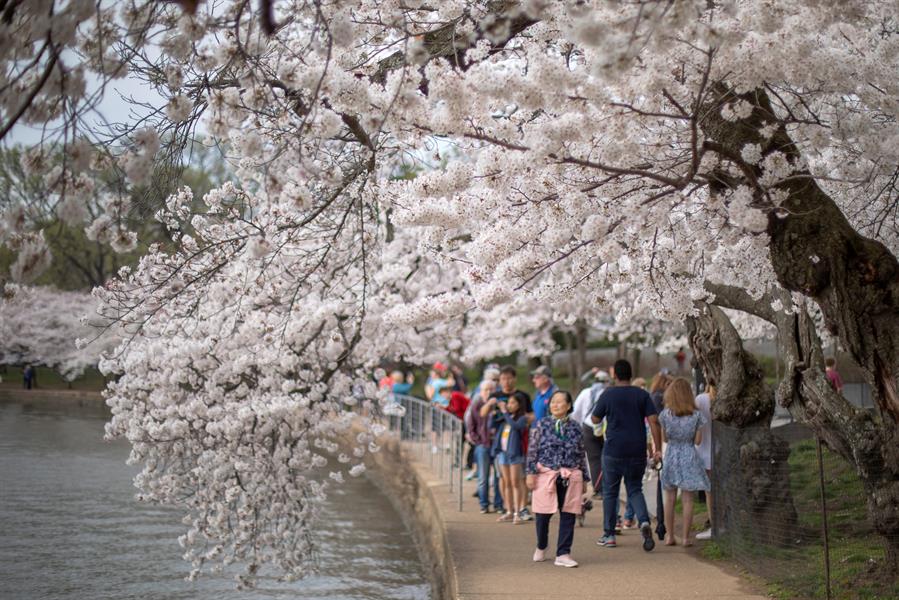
(396, 475)
(55, 398)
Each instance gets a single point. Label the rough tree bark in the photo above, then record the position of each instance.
(814, 250)
(569, 351)
(750, 462)
(580, 361)
(869, 443)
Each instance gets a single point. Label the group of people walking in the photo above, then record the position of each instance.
(554, 448)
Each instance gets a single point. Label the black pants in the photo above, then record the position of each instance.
(593, 446)
(468, 448)
(566, 524)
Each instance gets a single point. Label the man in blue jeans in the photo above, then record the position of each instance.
(625, 408)
(479, 436)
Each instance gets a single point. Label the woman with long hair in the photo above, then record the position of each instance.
(657, 388)
(557, 470)
(682, 467)
(510, 422)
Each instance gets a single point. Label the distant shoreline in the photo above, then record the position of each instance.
(47, 397)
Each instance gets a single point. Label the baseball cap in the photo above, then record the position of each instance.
(542, 370)
(601, 375)
(439, 366)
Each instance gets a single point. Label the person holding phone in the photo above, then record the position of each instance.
(508, 379)
(511, 423)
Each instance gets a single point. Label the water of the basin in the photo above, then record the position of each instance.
(70, 527)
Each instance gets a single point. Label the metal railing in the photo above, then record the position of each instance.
(795, 513)
(432, 434)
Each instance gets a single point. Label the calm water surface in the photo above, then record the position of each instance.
(71, 529)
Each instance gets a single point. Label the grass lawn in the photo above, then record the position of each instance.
(797, 570)
(49, 379)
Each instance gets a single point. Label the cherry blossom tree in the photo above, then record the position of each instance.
(656, 155)
(44, 326)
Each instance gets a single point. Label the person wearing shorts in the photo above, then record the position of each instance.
(510, 422)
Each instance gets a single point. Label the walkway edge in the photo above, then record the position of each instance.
(51, 397)
(396, 474)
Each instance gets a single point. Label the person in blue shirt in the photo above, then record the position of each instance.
(401, 384)
(510, 423)
(544, 388)
(438, 378)
(626, 408)
(507, 381)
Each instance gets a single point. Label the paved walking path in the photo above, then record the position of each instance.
(493, 560)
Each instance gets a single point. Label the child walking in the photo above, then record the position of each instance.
(557, 470)
(682, 468)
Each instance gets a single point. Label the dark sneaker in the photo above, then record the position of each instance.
(646, 532)
(484, 510)
(525, 515)
(608, 541)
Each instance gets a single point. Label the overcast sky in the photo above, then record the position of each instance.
(112, 107)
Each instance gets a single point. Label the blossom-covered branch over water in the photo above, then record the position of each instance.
(615, 158)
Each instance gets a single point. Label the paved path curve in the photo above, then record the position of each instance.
(493, 560)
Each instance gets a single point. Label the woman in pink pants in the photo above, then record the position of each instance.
(556, 471)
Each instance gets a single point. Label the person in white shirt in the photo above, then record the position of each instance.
(592, 436)
(704, 404)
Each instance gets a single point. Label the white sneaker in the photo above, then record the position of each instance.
(539, 555)
(471, 475)
(705, 535)
(565, 561)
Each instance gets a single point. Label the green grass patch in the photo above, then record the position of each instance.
(797, 570)
(48, 379)
(713, 551)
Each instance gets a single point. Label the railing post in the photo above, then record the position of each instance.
(461, 459)
(824, 519)
(427, 427)
(432, 435)
(439, 413)
(423, 434)
(452, 453)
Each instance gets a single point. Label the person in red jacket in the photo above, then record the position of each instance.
(457, 401)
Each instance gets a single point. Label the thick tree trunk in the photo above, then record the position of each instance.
(814, 250)
(753, 460)
(855, 281)
(569, 352)
(636, 358)
(868, 443)
(580, 336)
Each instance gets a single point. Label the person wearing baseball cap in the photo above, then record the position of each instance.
(544, 388)
(437, 379)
